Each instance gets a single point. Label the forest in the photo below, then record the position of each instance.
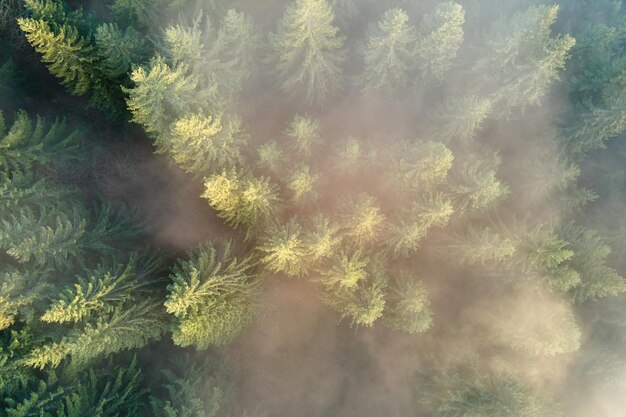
(303, 208)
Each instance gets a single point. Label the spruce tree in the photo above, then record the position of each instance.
(211, 296)
(439, 42)
(390, 53)
(309, 51)
(407, 306)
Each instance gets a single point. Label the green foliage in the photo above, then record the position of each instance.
(302, 184)
(478, 246)
(246, 201)
(160, 95)
(221, 59)
(103, 289)
(202, 144)
(439, 42)
(476, 187)
(465, 394)
(309, 51)
(460, 118)
(211, 296)
(27, 143)
(201, 390)
(122, 329)
(390, 53)
(419, 166)
(524, 59)
(362, 221)
(407, 232)
(283, 249)
(407, 307)
(304, 135)
(589, 258)
(58, 36)
(118, 50)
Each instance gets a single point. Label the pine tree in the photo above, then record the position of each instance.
(362, 221)
(590, 252)
(20, 295)
(390, 53)
(524, 59)
(476, 186)
(346, 271)
(102, 289)
(202, 144)
(466, 393)
(160, 95)
(322, 239)
(271, 157)
(211, 296)
(122, 329)
(60, 38)
(407, 232)
(304, 136)
(246, 201)
(144, 11)
(118, 50)
(407, 306)
(595, 126)
(362, 305)
(221, 59)
(302, 185)
(418, 166)
(460, 118)
(283, 249)
(309, 51)
(29, 143)
(441, 38)
(478, 246)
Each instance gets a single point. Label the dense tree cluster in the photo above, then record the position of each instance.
(484, 189)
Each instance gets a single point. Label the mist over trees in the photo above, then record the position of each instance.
(446, 177)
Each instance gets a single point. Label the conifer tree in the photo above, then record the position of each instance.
(322, 239)
(309, 51)
(211, 296)
(418, 166)
(478, 246)
(160, 95)
(590, 252)
(362, 221)
(28, 143)
(467, 393)
(202, 144)
(362, 305)
(304, 136)
(440, 40)
(461, 118)
(122, 329)
(283, 249)
(524, 58)
(102, 289)
(548, 329)
(476, 186)
(60, 38)
(271, 157)
(222, 59)
(346, 271)
(407, 306)
(118, 50)
(302, 185)
(246, 201)
(390, 53)
(407, 232)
